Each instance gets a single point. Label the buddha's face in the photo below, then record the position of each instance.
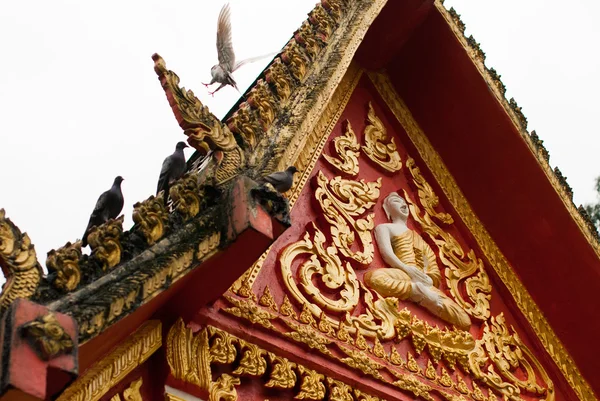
(396, 207)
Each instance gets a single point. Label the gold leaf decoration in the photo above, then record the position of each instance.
(65, 263)
(267, 299)
(151, 217)
(105, 241)
(260, 97)
(341, 200)
(430, 372)
(445, 379)
(132, 393)
(348, 151)
(383, 154)
(460, 266)
(278, 75)
(311, 385)
(222, 349)
(186, 196)
(252, 363)
(339, 391)
(248, 310)
(48, 336)
(293, 56)
(361, 361)
(307, 335)
(188, 355)
(287, 309)
(282, 373)
(224, 388)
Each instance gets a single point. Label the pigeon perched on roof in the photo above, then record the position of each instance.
(108, 206)
(221, 72)
(282, 180)
(172, 169)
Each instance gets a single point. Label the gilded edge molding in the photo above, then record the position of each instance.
(514, 112)
(105, 374)
(311, 150)
(495, 258)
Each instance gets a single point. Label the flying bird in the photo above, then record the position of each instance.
(282, 180)
(108, 206)
(172, 169)
(222, 72)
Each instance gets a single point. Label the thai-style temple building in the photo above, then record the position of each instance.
(426, 250)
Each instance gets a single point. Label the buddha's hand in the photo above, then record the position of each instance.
(417, 275)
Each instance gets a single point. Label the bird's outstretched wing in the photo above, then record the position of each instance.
(251, 60)
(224, 45)
(165, 172)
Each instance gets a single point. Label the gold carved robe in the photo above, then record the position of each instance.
(412, 250)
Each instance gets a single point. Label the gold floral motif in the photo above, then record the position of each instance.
(278, 75)
(306, 316)
(461, 386)
(383, 154)
(360, 396)
(222, 349)
(335, 8)
(311, 385)
(121, 304)
(339, 391)
(507, 352)
(105, 241)
(341, 200)
(333, 273)
(65, 263)
(430, 372)
(253, 362)
(348, 151)
(224, 388)
(186, 196)
(395, 357)
(325, 326)
(188, 355)
(378, 349)
(477, 394)
(132, 393)
(360, 341)
(293, 56)
(286, 308)
(267, 299)
(322, 21)
(361, 361)
(451, 253)
(248, 310)
(105, 374)
(343, 334)
(244, 123)
(308, 336)
(493, 254)
(282, 373)
(48, 337)
(445, 379)
(413, 385)
(307, 37)
(261, 98)
(411, 363)
(151, 217)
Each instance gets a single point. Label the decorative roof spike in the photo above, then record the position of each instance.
(478, 52)
(19, 263)
(518, 112)
(588, 221)
(539, 145)
(65, 262)
(456, 18)
(204, 129)
(563, 182)
(496, 79)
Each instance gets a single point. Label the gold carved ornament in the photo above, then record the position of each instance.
(105, 241)
(470, 271)
(383, 154)
(261, 98)
(185, 356)
(307, 37)
(65, 263)
(151, 217)
(348, 151)
(186, 196)
(108, 372)
(131, 393)
(48, 337)
(19, 263)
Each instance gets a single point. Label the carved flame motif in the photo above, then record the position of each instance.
(48, 336)
(65, 262)
(383, 154)
(19, 263)
(188, 355)
(185, 196)
(451, 253)
(508, 354)
(105, 241)
(151, 216)
(293, 56)
(348, 151)
(341, 201)
(324, 263)
(278, 75)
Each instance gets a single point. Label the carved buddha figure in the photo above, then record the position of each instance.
(413, 273)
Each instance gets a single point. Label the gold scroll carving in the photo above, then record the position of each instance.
(460, 266)
(105, 374)
(255, 362)
(131, 393)
(19, 263)
(105, 241)
(48, 336)
(65, 262)
(347, 149)
(383, 154)
(151, 217)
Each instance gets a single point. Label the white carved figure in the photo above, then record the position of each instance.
(412, 272)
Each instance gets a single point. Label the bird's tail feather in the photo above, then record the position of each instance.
(252, 60)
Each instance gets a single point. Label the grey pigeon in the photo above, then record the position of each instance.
(108, 206)
(221, 72)
(172, 169)
(282, 180)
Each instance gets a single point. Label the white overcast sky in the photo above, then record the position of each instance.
(80, 102)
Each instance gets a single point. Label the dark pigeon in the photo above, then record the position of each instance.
(172, 169)
(108, 206)
(282, 180)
